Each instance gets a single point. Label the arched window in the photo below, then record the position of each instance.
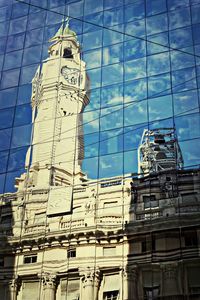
(67, 53)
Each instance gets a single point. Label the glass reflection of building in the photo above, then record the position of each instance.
(142, 59)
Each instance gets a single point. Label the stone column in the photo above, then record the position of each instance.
(170, 280)
(49, 286)
(90, 284)
(130, 275)
(13, 289)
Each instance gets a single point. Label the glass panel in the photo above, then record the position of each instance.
(8, 97)
(111, 117)
(160, 108)
(179, 18)
(190, 151)
(37, 5)
(17, 159)
(95, 78)
(92, 6)
(132, 136)
(34, 37)
(111, 165)
(135, 90)
(184, 79)
(112, 54)
(112, 3)
(135, 11)
(13, 60)
(181, 37)
(21, 136)
(94, 100)
(195, 13)
(188, 126)
(3, 161)
(54, 3)
(159, 85)
(186, 102)
(154, 7)
(157, 24)
(181, 60)
(32, 55)
(5, 136)
(173, 4)
(3, 45)
(153, 46)
(93, 19)
(91, 145)
(76, 9)
(5, 13)
(158, 63)
(130, 162)
(10, 78)
(112, 95)
(113, 36)
(113, 17)
(92, 40)
(4, 28)
(18, 25)
(1, 61)
(92, 58)
(135, 69)
(36, 20)
(24, 94)
(27, 74)
(134, 49)
(90, 167)
(196, 35)
(6, 117)
(19, 10)
(111, 141)
(15, 42)
(91, 121)
(2, 182)
(23, 115)
(55, 16)
(136, 113)
(112, 74)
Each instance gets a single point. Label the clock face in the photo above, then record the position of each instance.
(71, 75)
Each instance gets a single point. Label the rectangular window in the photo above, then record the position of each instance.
(113, 295)
(1, 261)
(71, 253)
(150, 201)
(30, 259)
(190, 238)
(151, 293)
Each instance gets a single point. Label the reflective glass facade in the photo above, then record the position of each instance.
(143, 63)
(115, 228)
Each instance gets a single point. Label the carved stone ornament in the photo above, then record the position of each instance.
(90, 277)
(49, 280)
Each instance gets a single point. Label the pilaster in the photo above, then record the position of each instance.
(90, 279)
(49, 286)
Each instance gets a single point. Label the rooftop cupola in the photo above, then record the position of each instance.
(65, 43)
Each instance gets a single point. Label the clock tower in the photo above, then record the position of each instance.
(59, 95)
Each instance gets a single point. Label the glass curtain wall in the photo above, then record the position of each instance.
(143, 63)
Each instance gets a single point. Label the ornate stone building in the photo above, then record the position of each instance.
(65, 237)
